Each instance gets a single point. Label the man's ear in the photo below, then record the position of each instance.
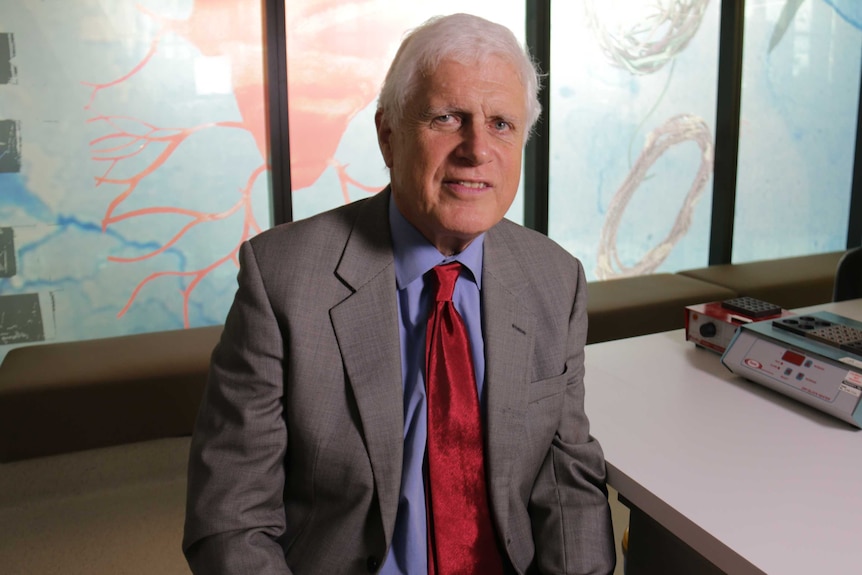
(384, 137)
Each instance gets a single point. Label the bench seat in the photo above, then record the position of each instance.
(111, 510)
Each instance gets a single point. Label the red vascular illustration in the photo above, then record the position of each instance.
(337, 56)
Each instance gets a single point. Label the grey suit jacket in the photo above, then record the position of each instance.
(295, 464)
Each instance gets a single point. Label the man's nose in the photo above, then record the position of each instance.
(475, 145)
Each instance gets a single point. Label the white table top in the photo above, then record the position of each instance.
(753, 480)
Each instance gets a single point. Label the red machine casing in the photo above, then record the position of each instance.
(712, 326)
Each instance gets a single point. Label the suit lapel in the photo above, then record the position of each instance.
(366, 326)
(509, 332)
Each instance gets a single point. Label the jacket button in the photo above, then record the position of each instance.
(373, 563)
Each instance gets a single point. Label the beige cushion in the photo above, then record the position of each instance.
(116, 510)
(627, 307)
(69, 396)
(787, 282)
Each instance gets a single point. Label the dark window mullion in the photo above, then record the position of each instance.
(854, 224)
(537, 153)
(727, 131)
(276, 101)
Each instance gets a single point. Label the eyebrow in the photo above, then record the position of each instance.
(431, 112)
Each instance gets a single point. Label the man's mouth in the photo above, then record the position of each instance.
(471, 185)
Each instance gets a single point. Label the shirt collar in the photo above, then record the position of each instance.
(415, 255)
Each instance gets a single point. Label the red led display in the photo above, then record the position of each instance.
(793, 357)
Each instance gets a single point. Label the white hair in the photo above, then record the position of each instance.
(466, 39)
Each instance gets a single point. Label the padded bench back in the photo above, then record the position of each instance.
(70, 396)
(788, 282)
(640, 305)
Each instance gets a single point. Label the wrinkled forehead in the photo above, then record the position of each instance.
(470, 60)
(492, 76)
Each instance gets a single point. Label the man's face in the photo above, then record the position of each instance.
(455, 158)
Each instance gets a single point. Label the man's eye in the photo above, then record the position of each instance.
(502, 125)
(445, 119)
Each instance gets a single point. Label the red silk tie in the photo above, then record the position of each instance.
(460, 536)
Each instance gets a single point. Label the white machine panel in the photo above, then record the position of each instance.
(811, 358)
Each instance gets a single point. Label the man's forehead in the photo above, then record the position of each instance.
(453, 80)
(477, 63)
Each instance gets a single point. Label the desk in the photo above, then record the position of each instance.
(752, 480)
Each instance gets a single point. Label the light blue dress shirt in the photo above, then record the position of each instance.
(414, 256)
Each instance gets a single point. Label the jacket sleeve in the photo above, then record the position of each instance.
(569, 506)
(235, 509)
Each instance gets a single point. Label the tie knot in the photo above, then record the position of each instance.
(446, 274)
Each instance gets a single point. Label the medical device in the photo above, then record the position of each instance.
(814, 358)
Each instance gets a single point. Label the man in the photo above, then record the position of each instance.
(309, 454)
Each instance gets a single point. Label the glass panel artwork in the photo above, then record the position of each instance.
(800, 97)
(338, 52)
(633, 102)
(132, 164)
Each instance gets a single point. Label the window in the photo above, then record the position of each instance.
(133, 141)
(132, 164)
(633, 100)
(800, 96)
